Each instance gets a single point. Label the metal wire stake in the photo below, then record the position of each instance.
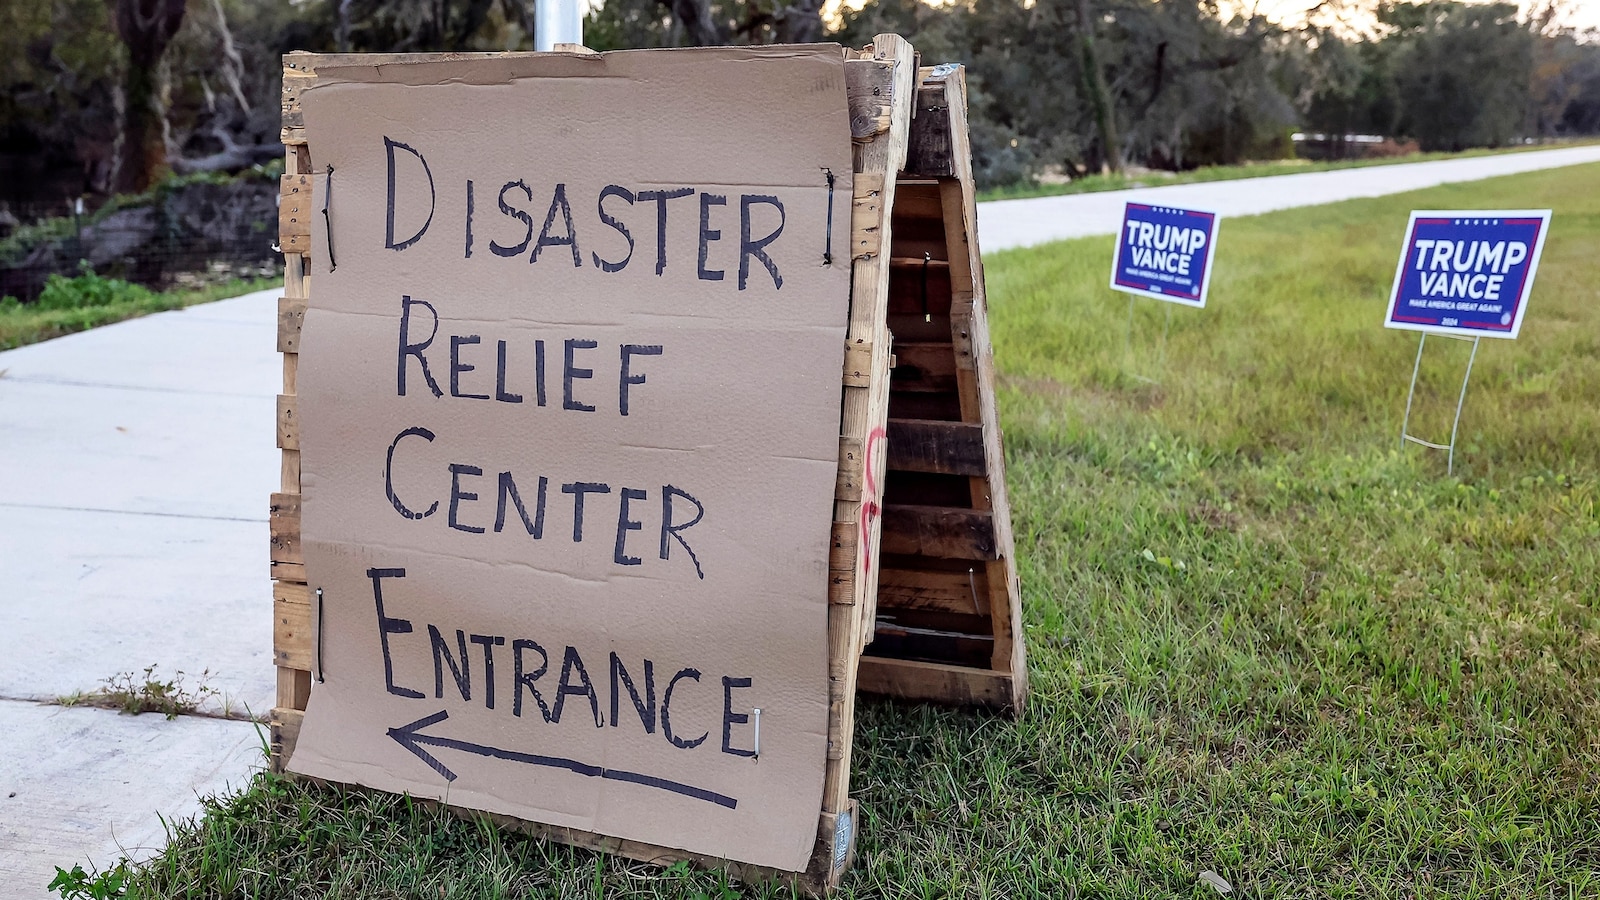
(926, 259)
(1450, 467)
(1461, 400)
(827, 248)
(1405, 423)
(327, 218)
(320, 629)
(757, 714)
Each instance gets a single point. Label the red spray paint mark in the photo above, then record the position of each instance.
(869, 503)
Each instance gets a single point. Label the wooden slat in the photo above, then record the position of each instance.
(924, 367)
(956, 592)
(294, 688)
(847, 485)
(938, 531)
(867, 219)
(946, 448)
(870, 84)
(932, 645)
(858, 361)
(931, 151)
(283, 523)
(975, 374)
(865, 409)
(285, 731)
(291, 316)
(287, 563)
(294, 214)
(291, 626)
(288, 423)
(843, 546)
(916, 200)
(936, 682)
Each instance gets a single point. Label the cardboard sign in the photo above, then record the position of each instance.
(1467, 273)
(569, 392)
(1165, 253)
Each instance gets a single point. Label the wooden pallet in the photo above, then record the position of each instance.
(881, 87)
(948, 613)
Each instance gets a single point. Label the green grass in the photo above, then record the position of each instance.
(1262, 641)
(88, 301)
(1095, 183)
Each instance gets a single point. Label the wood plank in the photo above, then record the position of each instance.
(870, 86)
(975, 371)
(956, 592)
(918, 291)
(283, 525)
(291, 627)
(284, 729)
(867, 221)
(905, 679)
(294, 214)
(858, 363)
(847, 484)
(865, 409)
(927, 489)
(288, 423)
(931, 150)
(294, 688)
(938, 531)
(967, 622)
(923, 367)
(935, 405)
(291, 316)
(947, 448)
(932, 645)
(916, 200)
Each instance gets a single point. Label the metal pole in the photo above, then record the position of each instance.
(1450, 467)
(1406, 422)
(556, 22)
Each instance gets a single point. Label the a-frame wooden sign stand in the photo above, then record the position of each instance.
(923, 594)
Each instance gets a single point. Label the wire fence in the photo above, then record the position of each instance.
(193, 236)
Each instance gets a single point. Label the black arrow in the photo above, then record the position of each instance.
(408, 736)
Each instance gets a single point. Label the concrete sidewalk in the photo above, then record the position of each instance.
(1005, 224)
(136, 462)
(135, 465)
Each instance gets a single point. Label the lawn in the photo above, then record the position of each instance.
(1263, 641)
(88, 300)
(1095, 183)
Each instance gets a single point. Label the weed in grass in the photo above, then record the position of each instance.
(80, 885)
(146, 692)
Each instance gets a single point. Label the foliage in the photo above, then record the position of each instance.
(1263, 643)
(90, 301)
(1186, 82)
(80, 885)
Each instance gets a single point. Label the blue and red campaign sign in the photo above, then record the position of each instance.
(1467, 273)
(1165, 253)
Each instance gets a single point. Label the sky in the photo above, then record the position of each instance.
(1576, 13)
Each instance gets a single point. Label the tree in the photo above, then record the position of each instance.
(145, 27)
(1462, 72)
(1094, 80)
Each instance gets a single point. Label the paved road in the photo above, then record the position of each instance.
(1004, 224)
(135, 465)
